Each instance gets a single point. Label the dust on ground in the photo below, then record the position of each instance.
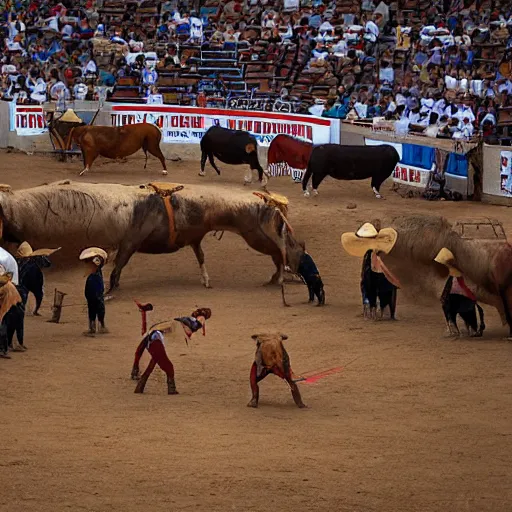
(413, 422)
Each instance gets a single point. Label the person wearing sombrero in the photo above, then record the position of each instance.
(377, 282)
(153, 342)
(457, 298)
(31, 275)
(95, 258)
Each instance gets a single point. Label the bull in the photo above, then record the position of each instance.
(233, 147)
(151, 219)
(350, 163)
(118, 142)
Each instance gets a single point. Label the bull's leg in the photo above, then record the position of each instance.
(198, 251)
(145, 376)
(154, 149)
(212, 163)
(315, 182)
(376, 184)
(125, 252)
(204, 156)
(89, 156)
(138, 354)
(278, 276)
(506, 297)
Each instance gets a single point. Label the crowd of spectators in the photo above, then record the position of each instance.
(441, 67)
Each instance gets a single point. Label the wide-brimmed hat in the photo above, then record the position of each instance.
(92, 252)
(70, 117)
(445, 257)
(368, 238)
(26, 251)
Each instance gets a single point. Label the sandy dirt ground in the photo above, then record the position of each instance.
(413, 421)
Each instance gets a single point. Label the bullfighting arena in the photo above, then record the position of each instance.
(410, 421)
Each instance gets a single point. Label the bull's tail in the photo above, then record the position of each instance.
(481, 328)
(307, 175)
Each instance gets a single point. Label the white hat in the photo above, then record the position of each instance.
(92, 252)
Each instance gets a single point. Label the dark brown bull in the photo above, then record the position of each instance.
(118, 142)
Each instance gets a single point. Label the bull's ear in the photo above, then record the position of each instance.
(249, 148)
(283, 336)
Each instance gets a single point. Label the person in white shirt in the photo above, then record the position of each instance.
(371, 32)
(8, 262)
(154, 97)
(465, 130)
(39, 91)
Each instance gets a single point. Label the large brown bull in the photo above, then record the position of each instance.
(118, 142)
(148, 219)
(485, 264)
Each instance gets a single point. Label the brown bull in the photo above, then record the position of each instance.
(118, 142)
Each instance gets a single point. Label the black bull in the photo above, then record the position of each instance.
(233, 147)
(350, 163)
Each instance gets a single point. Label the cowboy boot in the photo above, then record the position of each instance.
(171, 387)
(92, 329)
(296, 396)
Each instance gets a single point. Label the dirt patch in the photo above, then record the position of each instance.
(412, 422)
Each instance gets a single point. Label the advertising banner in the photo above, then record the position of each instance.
(506, 173)
(187, 125)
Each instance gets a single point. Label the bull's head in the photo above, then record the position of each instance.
(294, 252)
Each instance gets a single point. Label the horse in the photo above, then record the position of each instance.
(285, 150)
(350, 163)
(118, 142)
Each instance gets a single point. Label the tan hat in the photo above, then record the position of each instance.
(70, 117)
(92, 252)
(25, 251)
(445, 257)
(368, 238)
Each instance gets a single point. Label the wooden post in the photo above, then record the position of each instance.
(58, 299)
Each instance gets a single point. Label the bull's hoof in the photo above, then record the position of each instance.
(253, 403)
(301, 406)
(202, 174)
(165, 173)
(306, 193)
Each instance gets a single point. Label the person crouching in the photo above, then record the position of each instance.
(311, 276)
(95, 258)
(458, 299)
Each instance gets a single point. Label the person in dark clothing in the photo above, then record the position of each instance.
(31, 278)
(311, 276)
(95, 258)
(374, 285)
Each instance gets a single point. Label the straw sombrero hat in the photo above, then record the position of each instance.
(368, 238)
(70, 117)
(25, 251)
(445, 257)
(92, 252)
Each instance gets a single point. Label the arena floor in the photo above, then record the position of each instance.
(413, 422)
